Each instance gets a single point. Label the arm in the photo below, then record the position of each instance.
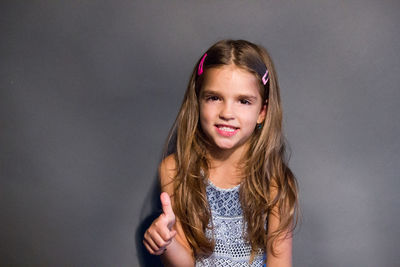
(165, 236)
(283, 244)
(177, 255)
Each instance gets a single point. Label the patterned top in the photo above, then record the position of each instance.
(228, 230)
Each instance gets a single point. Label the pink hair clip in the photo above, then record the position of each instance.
(265, 78)
(200, 69)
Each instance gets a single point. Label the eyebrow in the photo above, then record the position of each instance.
(248, 97)
(208, 92)
(211, 92)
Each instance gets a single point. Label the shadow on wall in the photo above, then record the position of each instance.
(151, 209)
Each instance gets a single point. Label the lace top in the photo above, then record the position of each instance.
(228, 230)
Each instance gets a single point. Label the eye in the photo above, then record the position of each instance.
(212, 98)
(245, 101)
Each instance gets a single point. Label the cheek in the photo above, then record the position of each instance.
(203, 116)
(252, 117)
(206, 112)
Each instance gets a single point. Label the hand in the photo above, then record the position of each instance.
(160, 234)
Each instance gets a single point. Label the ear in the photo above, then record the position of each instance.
(263, 112)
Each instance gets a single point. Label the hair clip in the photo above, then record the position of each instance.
(265, 78)
(200, 69)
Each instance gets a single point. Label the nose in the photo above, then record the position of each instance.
(226, 111)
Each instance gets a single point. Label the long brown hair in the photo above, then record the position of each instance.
(265, 164)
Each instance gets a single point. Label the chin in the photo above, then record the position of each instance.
(226, 146)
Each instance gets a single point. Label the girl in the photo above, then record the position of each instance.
(233, 198)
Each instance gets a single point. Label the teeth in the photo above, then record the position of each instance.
(227, 129)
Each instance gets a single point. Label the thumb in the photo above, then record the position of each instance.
(166, 206)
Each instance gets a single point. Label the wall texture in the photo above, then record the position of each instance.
(89, 89)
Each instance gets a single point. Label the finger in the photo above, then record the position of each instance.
(173, 233)
(159, 241)
(147, 246)
(151, 250)
(166, 206)
(160, 252)
(166, 235)
(150, 241)
(167, 242)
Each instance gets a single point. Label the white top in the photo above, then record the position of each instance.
(228, 230)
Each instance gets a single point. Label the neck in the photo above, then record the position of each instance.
(225, 166)
(219, 157)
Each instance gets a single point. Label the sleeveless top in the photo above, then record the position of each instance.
(227, 229)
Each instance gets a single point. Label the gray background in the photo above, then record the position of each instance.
(89, 89)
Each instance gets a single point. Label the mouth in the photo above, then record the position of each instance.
(226, 130)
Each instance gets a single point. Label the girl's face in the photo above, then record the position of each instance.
(230, 106)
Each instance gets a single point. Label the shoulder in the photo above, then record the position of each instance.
(283, 242)
(167, 172)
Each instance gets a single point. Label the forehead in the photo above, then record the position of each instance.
(231, 78)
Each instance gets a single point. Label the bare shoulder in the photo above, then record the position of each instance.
(167, 171)
(283, 244)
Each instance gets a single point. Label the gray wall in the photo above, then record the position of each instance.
(89, 89)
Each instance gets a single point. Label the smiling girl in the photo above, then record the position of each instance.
(229, 197)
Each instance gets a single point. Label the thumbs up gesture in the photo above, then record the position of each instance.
(160, 234)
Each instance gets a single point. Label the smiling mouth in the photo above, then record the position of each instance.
(226, 130)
